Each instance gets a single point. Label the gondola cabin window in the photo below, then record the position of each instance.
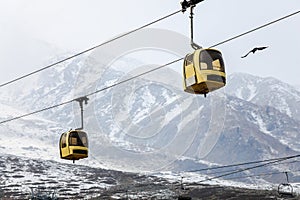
(84, 141)
(73, 141)
(189, 70)
(216, 65)
(189, 59)
(78, 139)
(211, 60)
(64, 140)
(203, 65)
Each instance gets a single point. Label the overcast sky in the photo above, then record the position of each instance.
(33, 31)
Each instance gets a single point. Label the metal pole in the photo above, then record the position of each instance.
(80, 100)
(287, 177)
(192, 24)
(193, 44)
(81, 108)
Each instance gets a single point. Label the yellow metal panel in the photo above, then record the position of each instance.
(189, 71)
(65, 152)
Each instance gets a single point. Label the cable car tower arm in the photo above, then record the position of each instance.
(81, 100)
(287, 177)
(191, 4)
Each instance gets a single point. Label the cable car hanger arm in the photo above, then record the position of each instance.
(81, 100)
(287, 177)
(193, 44)
(191, 4)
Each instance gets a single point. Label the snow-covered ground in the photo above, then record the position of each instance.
(189, 179)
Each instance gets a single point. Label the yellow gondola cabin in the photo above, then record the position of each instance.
(204, 71)
(73, 145)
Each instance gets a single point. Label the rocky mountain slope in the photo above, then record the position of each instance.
(25, 178)
(149, 123)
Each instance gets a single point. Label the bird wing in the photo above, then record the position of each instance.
(246, 54)
(254, 50)
(261, 48)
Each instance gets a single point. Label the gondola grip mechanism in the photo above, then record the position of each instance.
(186, 4)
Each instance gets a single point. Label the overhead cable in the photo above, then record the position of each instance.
(135, 30)
(231, 170)
(249, 168)
(262, 174)
(238, 164)
(256, 29)
(100, 90)
(220, 43)
(90, 49)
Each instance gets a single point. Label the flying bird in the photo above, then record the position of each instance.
(254, 50)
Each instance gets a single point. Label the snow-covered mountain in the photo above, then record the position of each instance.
(149, 123)
(266, 92)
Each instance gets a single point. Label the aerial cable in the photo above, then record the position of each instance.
(241, 164)
(90, 49)
(274, 161)
(193, 2)
(220, 43)
(255, 29)
(84, 97)
(262, 174)
(134, 77)
(249, 168)
(225, 171)
(38, 111)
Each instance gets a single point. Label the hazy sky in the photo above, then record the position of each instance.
(33, 31)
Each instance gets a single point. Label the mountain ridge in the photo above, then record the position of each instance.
(148, 124)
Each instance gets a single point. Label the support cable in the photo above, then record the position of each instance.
(184, 7)
(90, 49)
(240, 164)
(249, 168)
(100, 90)
(262, 174)
(220, 43)
(255, 29)
(226, 171)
